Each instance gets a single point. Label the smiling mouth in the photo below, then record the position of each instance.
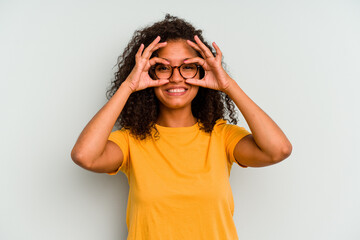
(176, 90)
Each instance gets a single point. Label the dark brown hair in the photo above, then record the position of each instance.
(142, 108)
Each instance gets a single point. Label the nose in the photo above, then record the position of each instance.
(176, 77)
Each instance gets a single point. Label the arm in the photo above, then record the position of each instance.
(93, 150)
(267, 144)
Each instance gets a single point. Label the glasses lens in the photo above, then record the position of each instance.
(163, 71)
(188, 70)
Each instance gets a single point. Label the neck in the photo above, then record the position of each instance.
(176, 118)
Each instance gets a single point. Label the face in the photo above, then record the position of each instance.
(177, 93)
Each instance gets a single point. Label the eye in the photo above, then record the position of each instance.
(162, 68)
(189, 67)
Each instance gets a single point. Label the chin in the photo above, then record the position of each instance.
(174, 105)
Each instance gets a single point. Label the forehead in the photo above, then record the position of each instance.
(177, 50)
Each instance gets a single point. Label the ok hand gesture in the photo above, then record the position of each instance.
(139, 78)
(215, 75)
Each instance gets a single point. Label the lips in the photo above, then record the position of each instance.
(176, 89)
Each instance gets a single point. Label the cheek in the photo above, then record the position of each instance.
(195, 91)
(157, 92)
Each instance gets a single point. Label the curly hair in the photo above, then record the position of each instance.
(141, 110)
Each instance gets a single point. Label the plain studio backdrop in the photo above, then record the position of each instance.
(298, 60)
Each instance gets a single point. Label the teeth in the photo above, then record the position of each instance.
(177, 90)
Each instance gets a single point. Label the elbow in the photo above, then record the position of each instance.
(284, 153)
(79, 159)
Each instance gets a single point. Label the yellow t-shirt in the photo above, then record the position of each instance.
(179, 184)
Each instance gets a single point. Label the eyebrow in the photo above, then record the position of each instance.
(169, 60)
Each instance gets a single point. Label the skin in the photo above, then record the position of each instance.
(175, 111)
(92, 150)
(266, 145)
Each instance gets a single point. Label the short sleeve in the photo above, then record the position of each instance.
(121, 138)
(233, 134)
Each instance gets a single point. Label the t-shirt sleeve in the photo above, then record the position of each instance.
(121, 138)
(233, 134)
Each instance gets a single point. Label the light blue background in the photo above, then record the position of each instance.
(298, 60)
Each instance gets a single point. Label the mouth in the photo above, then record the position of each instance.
(176, 91)
(173, 90)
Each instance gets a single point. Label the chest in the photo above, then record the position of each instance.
(185, 170)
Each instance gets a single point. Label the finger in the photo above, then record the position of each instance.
(141, 48)
(198, 60)
(151, 46)
(196, 47)
(157, 83)
(203, 47)
(217, 49)
(150, 52)
(196, 82)
(159, 45)
(155, 60)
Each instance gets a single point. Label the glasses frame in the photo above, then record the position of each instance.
(178, 68)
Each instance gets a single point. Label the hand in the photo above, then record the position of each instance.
(215, 75)
(139, 78)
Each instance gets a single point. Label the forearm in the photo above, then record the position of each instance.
(267, 135)
(92, 140)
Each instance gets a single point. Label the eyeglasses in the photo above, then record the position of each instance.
(162, 71)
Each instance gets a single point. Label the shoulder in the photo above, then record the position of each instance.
(222, 126)
(120, 132)
(121, 135)
(230, 133)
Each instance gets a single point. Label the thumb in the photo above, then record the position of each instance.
(196, 82)
(157, 83)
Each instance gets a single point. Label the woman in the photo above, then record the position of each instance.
(170, 97)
